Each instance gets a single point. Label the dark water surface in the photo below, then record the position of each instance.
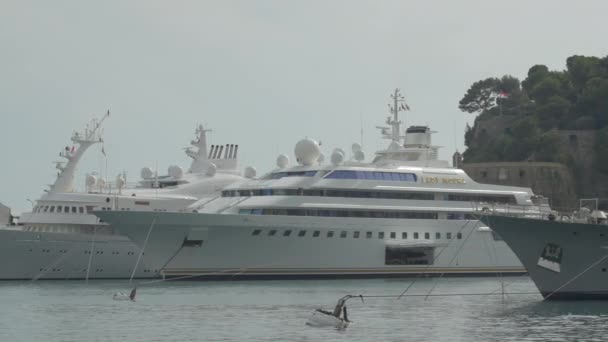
(277, 311)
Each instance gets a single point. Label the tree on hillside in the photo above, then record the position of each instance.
(480, 97)
(601, 148)
(536, 74)
(581, 69)
(553, 112)
(593, 101)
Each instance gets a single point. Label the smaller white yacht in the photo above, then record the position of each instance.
(404, 213)
(61, 239)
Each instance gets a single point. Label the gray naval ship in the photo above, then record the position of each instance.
(566, 256)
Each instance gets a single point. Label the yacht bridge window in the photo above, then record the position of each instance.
(373, 175)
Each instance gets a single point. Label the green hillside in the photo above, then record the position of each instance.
(529, 112)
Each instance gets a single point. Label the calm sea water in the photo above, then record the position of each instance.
(278, 310)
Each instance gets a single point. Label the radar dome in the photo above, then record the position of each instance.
(307, 151)
(176, 171)
(339, 150)
(250, 172)
(211, 170)
(282, 161)
(359, 155)
(356, 147)
(146, 173)
(91, 180)
(101, 182)
(337, 157)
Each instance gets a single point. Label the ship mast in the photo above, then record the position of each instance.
(198, 152)
(399, 105)
(84, 140)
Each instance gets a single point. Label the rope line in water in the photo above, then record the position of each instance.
(455, 255)
(452, 294)
(434, 259)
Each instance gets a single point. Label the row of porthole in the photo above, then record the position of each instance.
(356, 234)
(63, 251)
(49, 251)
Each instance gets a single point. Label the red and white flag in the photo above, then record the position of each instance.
(503, 94)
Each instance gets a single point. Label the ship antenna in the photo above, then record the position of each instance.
(399, 105)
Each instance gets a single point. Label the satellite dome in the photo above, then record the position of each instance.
(91, 180)
(359, 155)
(337, 157)
(101, 182)
(211, 170)
(356, 147)
(307, 151)
(282, 161)
(250, 172)
(176, 171)
(339, 150)
(146, 173)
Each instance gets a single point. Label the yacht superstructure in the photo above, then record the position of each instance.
(61, 239)
(404, 213)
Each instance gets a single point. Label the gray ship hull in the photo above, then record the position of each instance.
(565, 260)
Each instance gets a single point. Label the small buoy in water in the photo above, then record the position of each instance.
(124, 296)
(337, 319)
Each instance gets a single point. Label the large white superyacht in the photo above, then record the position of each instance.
(61, 239)
(404, 213)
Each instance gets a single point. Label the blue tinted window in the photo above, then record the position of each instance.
(372, 175)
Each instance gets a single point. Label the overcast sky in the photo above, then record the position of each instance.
(262, 74)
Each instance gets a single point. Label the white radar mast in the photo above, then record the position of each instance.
(91, 135)
(399, 105)
(198, 151)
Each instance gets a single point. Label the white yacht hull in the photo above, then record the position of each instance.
(229, 248)
(26, 255)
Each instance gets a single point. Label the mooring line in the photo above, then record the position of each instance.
(578, 275)
(141, 252)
